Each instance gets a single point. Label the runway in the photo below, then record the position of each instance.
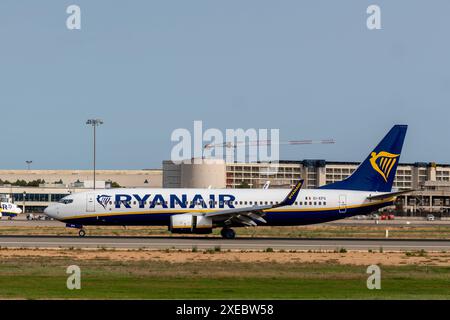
(207, 243)
(21, 221)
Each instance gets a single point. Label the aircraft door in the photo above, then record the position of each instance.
(342, 203)
(90, 202)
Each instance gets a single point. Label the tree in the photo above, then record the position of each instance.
(115, 185)
(20, 183)
(4, 182)
(243, 185)
(35, 183)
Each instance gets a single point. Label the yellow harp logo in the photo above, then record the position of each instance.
(383, 162)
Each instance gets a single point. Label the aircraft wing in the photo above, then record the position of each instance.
(389, 195)
(248, 215)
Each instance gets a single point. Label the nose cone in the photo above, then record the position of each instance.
(50, 211)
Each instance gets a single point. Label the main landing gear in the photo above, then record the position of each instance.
(81, 231)
(228, 233)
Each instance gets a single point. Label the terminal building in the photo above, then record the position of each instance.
(430, 180)
(34, 190)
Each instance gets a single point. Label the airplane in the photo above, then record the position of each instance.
(9, 210)
(199, 211)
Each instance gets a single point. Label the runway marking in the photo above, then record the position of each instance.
(236, 245)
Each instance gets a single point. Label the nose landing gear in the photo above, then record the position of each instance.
(228, 233)
(81, 233)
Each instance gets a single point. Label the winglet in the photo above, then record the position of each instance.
(292, 196)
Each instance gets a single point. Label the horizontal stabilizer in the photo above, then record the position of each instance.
(389, 195)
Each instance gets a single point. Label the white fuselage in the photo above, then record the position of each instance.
(155, 206)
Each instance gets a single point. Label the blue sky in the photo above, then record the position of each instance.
(310, 68)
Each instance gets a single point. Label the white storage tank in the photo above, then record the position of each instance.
(203, 173)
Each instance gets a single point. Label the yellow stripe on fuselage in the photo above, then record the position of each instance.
(180, 211)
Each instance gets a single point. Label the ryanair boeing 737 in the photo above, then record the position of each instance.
(9, 210)
(198, 211)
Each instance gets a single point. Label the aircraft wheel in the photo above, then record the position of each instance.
(228, 233)
(81, 233)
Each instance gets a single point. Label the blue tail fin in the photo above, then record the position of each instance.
(377, 172)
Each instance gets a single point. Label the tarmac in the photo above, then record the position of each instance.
(224, 244)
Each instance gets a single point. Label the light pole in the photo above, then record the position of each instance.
(29, 162)
(94, 123)
(24, 195)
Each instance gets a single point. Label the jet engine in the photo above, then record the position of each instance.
(188, 223)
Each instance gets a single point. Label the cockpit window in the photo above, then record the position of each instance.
(66, 201)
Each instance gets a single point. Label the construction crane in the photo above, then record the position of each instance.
(266, 143)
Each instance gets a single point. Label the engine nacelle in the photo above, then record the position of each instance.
(188, 223)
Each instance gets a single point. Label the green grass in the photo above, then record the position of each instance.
(344, 231)
(39, 278)
(315, 231)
